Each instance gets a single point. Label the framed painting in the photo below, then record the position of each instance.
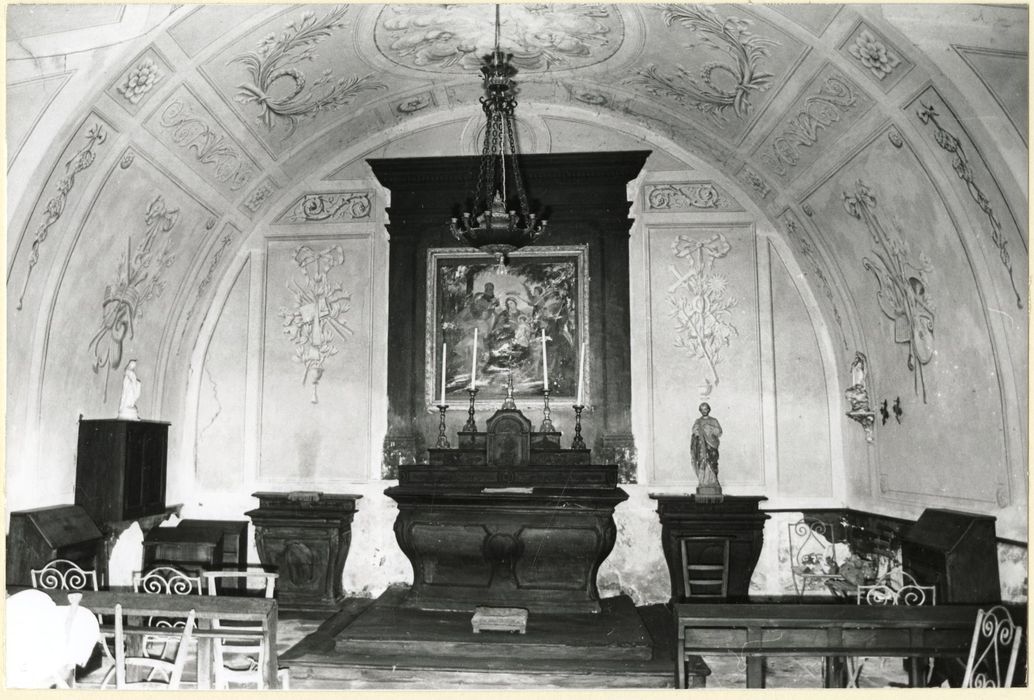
(542, 289)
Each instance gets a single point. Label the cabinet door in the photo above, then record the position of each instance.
(145, 470)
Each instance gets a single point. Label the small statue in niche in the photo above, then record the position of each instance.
(130, 393)
(858, 396)
(703, 446)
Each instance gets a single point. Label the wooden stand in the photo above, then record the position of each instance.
(305, 536)
(693, 531)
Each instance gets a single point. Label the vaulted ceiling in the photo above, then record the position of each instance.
(215, 121)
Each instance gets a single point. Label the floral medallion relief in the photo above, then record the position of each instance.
(541, 37)
(700, 302)
(882, 62)
(134, 87)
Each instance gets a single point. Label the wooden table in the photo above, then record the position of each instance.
(831, 631)
(254, 611)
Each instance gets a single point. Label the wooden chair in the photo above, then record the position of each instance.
(171, 670)
(165, 580)
(895, 587)
(705, 567)
(66, 575)
(993, 652)
(250, 658)
(812, 545)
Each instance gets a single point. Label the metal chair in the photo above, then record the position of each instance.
(66, 575)
(62, 574)
(165, 580)
(895, 587)
(993, 652)
(812, 545)
(251, 658)
(171, 670)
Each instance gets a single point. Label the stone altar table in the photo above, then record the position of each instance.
(508, 519)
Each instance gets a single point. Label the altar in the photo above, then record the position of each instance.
(507, 518)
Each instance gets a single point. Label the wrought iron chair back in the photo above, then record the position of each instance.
(896, 587)
(63, 574)
(812, 546)
(165, 580)
(993, 652)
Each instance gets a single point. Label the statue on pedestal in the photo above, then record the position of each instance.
(130, 393)
(703, 446)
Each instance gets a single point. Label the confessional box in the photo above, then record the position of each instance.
(120, 468)
(41, 535)
(956, 552)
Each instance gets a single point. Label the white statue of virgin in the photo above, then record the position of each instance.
(130, 393)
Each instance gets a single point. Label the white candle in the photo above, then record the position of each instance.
(545, 363)
(474, 361)
(442, 402)
(581, 375)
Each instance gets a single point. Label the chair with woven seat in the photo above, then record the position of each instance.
(240, 662)
(993, 651)
(171, 671)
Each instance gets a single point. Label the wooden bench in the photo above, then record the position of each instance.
(831, 631)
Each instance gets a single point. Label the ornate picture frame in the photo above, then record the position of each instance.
(543, 287)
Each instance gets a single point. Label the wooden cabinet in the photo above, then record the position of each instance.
(120, 468)
(956, 552)
(41, 535)
(711, 547)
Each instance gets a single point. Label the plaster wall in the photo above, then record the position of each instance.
(212, 259)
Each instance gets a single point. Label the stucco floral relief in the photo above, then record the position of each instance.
(453, 38)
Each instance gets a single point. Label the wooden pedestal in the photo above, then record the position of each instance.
(305, 537)
(693, 532)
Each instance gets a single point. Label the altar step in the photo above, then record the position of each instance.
(384, 646)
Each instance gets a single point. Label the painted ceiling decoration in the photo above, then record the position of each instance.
(541, 37)
(280, 89)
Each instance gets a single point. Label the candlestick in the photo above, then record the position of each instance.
(470, 426)
(508, 403)
(474, 362)
(578, 443)
(442, 402)
(547, 424)
(545, 363)
(581, 373)
(443, 442)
